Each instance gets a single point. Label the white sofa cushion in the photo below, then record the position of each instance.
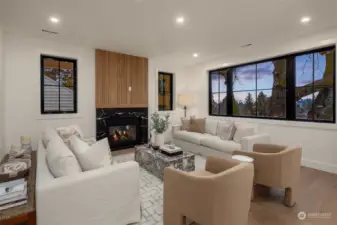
(242, 131)
(221, 145)
(61, 161)
(48, 134)
(43, 174)
(211, 126)
(191, 137)
(225, 130)
(66, 132)
(91, 157)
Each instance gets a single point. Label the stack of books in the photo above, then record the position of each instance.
(171, 150)
(13, 193)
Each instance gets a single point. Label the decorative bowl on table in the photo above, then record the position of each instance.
(155, 147)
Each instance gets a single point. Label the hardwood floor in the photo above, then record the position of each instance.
(318, 195)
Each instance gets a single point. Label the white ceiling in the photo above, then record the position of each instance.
(147, 27)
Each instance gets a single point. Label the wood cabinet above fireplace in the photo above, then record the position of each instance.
(121, 80)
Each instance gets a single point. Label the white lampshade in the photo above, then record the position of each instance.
(185, 99)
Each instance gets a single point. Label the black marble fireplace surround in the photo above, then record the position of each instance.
(124, 127)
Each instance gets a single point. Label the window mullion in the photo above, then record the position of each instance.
(290, 88)
(59, 86)
(229, 78)
(219, 103)
(313, 87)
(256, 90)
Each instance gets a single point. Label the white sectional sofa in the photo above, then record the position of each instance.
(104, 196)
(210, 144)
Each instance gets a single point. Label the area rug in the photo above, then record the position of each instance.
(151, 191)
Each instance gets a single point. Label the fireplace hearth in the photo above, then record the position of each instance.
(124, 128)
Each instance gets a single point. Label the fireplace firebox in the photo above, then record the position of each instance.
(123, 133)
(124, 128)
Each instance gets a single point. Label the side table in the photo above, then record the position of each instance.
(25, 214)
(246, 159)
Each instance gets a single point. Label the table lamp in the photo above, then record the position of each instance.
(185, 100)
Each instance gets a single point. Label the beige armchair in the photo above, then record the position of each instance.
(276, 166)
(218, 195)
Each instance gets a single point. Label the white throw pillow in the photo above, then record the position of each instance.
(211, 127)
(61, 161)
(91, 157)
(66, 132)
(225, 130)
(241, 132)
(47, 135)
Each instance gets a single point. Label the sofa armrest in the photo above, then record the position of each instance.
(89, 140)
(247, 143)
(91, 197)
(176, 128)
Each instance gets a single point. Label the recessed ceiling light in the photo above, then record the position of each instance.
(225, 64)
(195, 55)
(54, 19)
(180, 20)
(305, 19)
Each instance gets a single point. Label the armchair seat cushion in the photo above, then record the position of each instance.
(217, 143)
(191, 137)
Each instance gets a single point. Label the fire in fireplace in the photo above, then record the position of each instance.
(123, 133)
(124, 127)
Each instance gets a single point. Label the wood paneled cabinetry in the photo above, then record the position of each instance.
(121, 80)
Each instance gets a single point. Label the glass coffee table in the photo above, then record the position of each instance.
(155, 162)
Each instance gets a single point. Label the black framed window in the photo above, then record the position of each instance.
(299, 87)
(165, 91)
(58, 85)
(219, 92)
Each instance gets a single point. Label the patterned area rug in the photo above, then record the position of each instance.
(151, 191)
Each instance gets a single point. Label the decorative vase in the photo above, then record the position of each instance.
(159, 139)
(26, 143)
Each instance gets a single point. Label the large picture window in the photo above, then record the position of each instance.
(294, 87)
(58, 85)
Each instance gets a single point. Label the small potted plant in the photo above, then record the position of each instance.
(159, 124)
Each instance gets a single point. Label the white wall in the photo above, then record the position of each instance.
(156, 65)
(319, 141)
(165, 65)
(1, 91)
(22, 88)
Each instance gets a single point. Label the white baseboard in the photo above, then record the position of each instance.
(320, 165)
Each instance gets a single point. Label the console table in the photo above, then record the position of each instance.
(25, 214)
